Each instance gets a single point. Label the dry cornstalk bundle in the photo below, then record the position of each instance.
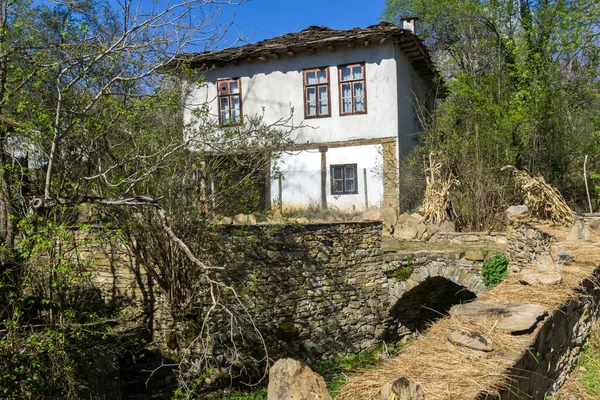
(543, 200)
(436, 204)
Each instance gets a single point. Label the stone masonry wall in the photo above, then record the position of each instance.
(526, 245)
(315, 291)
(545, 364)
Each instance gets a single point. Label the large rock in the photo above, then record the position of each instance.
(471, 340)
(402, 389)
(289, 379)
(516, 211)
(389, 218)
(533, 277)
(406, 227)
(515, 318)
(371, 214)
(240, 219)
(447, 226)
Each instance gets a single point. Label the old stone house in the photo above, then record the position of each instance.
(356, 95)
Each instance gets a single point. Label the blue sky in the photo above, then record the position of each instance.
(263, 19)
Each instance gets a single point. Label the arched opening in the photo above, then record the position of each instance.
(425, 303)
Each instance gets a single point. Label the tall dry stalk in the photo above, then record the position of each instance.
(436, 204)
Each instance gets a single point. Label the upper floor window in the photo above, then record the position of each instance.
(316, 92)
(230, 101)
(353, 99)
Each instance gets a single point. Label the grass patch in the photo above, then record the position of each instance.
(337, 372)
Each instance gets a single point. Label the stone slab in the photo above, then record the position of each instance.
(533, 277)
(515, 318)
(471, 340)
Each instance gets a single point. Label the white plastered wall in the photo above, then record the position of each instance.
(274, 88)
(301, 183)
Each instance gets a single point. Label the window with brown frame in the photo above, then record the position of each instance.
(316, 92)
(353, 90)
(230, 101)
(343, 179)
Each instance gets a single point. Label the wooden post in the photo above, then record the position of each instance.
(280, 193)
(267, 186)
(365, 188)
(323, 151)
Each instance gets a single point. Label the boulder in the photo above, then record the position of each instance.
(225, 221)
(431, 230)
(515, 318)
(447, 226)
(371, 214)
(533, 277)
(406, 227)
(389, 218)
(240, 219)
(471, 340)
(516, 211)
(402, 389)
(421, 229)
(417, 217)
(289, 379)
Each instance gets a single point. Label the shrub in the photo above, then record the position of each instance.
(495, 270)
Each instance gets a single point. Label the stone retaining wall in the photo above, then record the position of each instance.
(526, 245)
(315, 290)
(544, 365)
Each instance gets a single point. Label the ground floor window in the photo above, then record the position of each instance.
(343, 179)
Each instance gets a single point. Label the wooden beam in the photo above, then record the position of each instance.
(415, 53)
(367, 43)
(291, 53)
(417, 57)
(275, 56)
(331, 48)
(351, 45)
(312, 51)
(262, 57)
(382, 40)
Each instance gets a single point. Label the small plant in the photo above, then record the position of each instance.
(495, 270)
(405, 271)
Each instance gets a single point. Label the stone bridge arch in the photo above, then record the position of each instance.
(438, 281)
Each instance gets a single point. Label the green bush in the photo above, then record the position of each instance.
(495, 270)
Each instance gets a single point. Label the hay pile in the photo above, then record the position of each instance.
(543, 200)
(436, 204)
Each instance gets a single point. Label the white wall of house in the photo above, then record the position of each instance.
(275, 87)
(301, 183)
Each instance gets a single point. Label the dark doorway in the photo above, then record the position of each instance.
(426, 303)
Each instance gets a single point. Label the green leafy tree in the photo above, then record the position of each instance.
(522, 90)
